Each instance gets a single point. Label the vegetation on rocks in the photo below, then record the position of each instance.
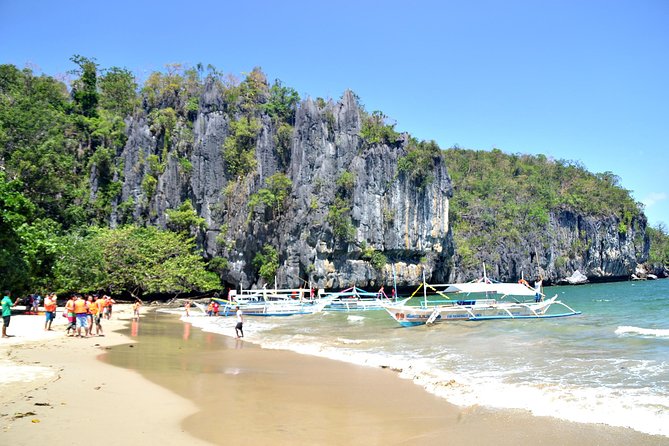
(64, 181)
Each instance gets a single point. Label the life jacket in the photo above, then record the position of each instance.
(69, 306)
(93, 307)
(49, 304)
(80, 306)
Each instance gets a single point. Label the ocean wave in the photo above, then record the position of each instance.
(641, 409)
(655, 332)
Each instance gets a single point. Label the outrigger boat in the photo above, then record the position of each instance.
(285, 302)
(356, 299)
(478, 309)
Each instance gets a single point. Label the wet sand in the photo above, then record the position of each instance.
(158, 380)
(249, 396)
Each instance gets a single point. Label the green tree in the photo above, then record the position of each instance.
(137, 260)
(376, 130)
(85, 89)
(419, 162)
(267, 262)
(339, 218)
(185, 219)
(118, 91)
(239, 147)
(659, 245)
(282, 102)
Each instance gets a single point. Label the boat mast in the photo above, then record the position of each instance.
(424, 288)
(394, 281)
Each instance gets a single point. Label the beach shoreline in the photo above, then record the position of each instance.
(56, 391)
(226, 390)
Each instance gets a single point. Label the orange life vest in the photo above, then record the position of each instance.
(49, 304)
(80, 306)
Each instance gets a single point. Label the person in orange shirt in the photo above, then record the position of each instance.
(50, 310)
(100, 303)
(81, 313)
(89, 314)
(109, 302)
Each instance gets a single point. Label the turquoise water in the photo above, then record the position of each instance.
(609, 365)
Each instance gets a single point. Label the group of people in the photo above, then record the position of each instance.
(85, 313)
(212, 310)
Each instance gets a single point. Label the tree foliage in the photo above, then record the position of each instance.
(267, 262)
(134, 259)
(185, 219)
(274, 195)
(419, 162)
(376, 129)
(499, 198)
(239, 147)
(659, 245)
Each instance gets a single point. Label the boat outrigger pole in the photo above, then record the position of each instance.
(424, 289)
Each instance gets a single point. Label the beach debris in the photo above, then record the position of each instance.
(24, 414)
(35, 420)
(42, 404)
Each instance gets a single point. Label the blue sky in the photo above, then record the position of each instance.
(583, 80)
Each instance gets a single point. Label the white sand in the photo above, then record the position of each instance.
(53, 390)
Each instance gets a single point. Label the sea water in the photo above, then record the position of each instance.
(608, 365)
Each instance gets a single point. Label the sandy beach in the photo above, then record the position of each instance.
(182, 386)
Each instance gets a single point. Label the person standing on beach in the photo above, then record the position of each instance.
(92, 314)
(239, 330)
(100, 304)
(187, 307)
(49, 310)
(109, 302)
(7, 305)
(135, 309)
(69, 312)
(35, 303)
(81, 313)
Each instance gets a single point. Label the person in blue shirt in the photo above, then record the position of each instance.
(7, 312)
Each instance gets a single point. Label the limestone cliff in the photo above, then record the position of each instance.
(395, 228)
(389, 215)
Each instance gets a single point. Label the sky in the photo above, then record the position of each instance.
(579, 80)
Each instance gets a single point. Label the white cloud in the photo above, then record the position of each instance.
(654, 197)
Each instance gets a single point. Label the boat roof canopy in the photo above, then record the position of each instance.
(513, 289)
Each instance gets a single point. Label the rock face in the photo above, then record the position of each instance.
(593, 246)
(389, 214)
(399, 229)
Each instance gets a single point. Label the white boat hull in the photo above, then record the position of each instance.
(473, 310)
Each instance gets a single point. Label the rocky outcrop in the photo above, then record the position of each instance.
(400, 230)
(577, 278)
(571, 242)
(389, 215)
